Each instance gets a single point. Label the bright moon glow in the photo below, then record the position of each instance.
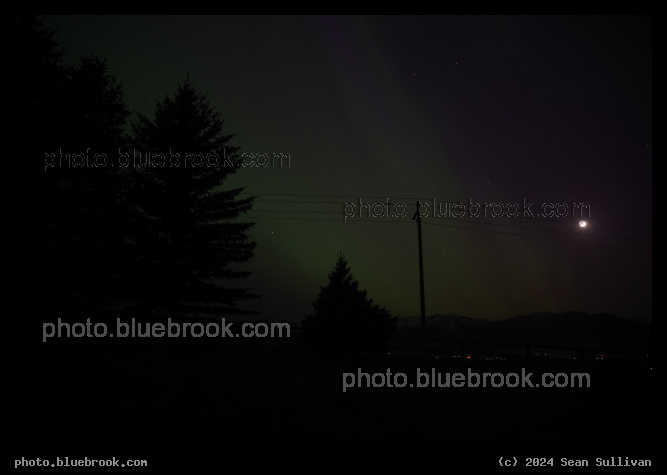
(582, 224)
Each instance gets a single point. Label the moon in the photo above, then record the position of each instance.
(582, 224)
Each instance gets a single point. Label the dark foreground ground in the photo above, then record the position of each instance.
(73, 395)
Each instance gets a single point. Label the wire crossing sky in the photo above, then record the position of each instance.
(333, 112)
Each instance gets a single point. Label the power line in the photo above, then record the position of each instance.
(411, 199)
(451, 226)
(352, 219)
(349, 219)
(505, 225)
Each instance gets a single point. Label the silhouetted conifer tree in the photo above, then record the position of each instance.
(38, 73)
(96, 209)
(35, 84)
(65, 117)
(187, 236)
(344, 318)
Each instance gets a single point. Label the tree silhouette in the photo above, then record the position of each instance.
(344, 318)
(94, 208)
(36, 85)
(65, 114)
(186, 233)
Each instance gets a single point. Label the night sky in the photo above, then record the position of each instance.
(487, 109)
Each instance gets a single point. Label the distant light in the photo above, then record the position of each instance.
(582, 223)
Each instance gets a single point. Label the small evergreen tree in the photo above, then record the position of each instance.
(344, 318)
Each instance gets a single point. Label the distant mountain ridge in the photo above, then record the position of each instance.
(567, 329)
(449, 326)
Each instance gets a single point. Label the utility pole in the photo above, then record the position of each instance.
(417, 217)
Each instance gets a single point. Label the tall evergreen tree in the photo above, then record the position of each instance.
(95, 211)
(344, 318)
(74, 208)
(187, 234)
(38, 73)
